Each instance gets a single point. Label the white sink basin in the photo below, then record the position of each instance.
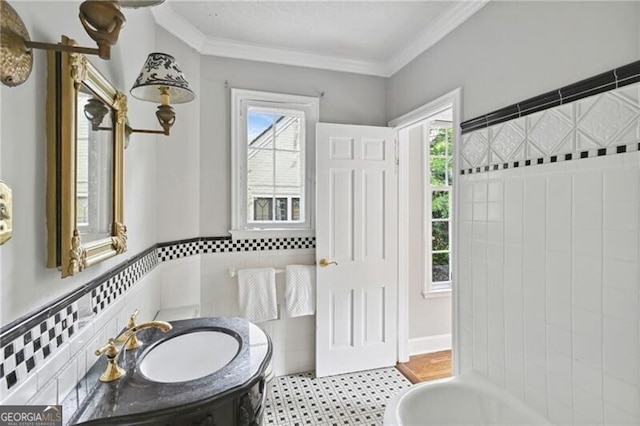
(189, 356)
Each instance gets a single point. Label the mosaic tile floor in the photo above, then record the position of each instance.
(349, 399)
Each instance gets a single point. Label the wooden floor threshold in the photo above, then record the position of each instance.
(406, 372)
(425, 367)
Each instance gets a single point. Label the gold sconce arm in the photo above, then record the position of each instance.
(102, 19)
(165, 114)
(129, 130)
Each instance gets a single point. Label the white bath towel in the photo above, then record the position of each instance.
(300, 293)
(257, 294)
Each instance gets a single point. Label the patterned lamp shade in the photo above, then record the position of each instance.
(161, 70)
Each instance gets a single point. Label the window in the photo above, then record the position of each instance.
(439, 181)
(273, 138)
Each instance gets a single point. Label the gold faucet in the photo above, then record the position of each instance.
(113, 348)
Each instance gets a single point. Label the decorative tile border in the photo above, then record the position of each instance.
(617, 78)
(183, 248)
(178, 249)
(28, 341)
(602, 124)
(107, 292)
(598, 152)
(21, 356)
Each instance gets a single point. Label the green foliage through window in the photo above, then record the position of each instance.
(440, 180)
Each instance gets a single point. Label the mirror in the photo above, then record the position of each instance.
(86, 119)
(94, 174)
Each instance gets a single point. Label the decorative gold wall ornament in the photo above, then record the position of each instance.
(6, 213)
(120, 103)
(78, 68)
(119, 240)
(77, 255)
(16, 59)
(74, 245)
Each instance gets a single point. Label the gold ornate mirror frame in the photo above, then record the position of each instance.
(67, 72)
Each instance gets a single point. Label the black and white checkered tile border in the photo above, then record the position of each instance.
(107, 292)
(598, 152)
(261, 244)
(349, 399)
(178, 249)
(227, 245)
(22, 355)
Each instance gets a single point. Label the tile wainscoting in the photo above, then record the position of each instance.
(45, 353)
(548, 271)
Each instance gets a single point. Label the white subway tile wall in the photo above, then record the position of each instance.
(549, 304)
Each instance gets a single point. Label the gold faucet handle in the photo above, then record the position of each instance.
(113, 372)
(110, 349)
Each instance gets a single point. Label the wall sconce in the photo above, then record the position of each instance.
(162, 81)
(102, 19)
(95, 110)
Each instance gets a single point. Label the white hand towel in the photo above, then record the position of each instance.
(257, 294)
(300, 293)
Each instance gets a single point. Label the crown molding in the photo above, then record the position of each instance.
(253, 52)
(175, 24)
(443, 25)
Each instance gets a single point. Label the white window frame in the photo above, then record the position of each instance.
(241, 100)
(440, 288)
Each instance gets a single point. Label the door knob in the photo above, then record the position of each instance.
(324, 263)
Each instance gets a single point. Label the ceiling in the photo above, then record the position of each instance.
(366, 37)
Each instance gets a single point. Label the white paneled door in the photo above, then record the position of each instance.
(356, 227)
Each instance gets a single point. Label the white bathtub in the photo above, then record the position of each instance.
(462, 400)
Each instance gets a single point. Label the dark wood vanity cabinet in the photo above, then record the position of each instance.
(234, 395)
(241, 409)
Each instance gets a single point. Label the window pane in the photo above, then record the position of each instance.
(438, 141)
(263, 209)
(440, 270)
(450, 171)
(295, 209)
(438, 170)
(281, 208)
(440, 204)
(440, 235)
(288, 133)
(258, 126)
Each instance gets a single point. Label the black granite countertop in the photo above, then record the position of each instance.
(135, 397)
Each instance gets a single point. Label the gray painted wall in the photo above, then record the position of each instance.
(510, 51)
(178, 156)
(507, 52)
(25, 282)
(349, 98)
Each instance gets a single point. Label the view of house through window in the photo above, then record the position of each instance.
(439, 184)
(275, 176)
